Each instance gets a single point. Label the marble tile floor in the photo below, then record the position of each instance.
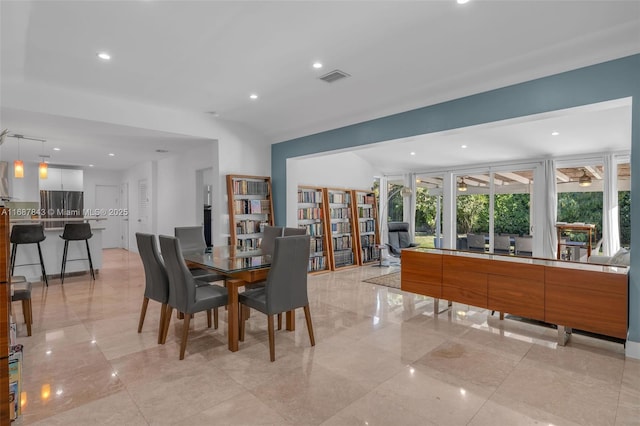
(381, 358)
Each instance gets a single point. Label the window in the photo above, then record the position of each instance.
(429, 211)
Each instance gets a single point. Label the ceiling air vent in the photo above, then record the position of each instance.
(334, 75)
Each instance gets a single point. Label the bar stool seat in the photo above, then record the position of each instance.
(28, 234)
(22, 292)
(76, 232)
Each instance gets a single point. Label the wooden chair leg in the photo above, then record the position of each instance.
(179, 315)
(307, 316)
(272, 343)
(185, 334)
(208, 318)
(280, 321)
(163, 314)
(215, 318)
(241, 323)
(167, 321)
(26, 310)
(143, 312)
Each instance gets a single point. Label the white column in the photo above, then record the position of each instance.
(449, 211)
(611, 210)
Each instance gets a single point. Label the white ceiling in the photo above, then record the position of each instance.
(205, 56)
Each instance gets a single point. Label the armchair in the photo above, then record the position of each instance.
(399, 238)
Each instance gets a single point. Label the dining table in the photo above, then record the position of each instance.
(240, 268)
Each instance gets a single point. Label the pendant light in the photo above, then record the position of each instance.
(462, 186)
(18, 165)
(585, 180)
(43, 167)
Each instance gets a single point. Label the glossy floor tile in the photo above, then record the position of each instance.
(381, 358)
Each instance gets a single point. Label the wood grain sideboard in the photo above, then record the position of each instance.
(570, 295)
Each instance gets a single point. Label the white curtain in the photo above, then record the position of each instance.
(610, 225)
(550, 236)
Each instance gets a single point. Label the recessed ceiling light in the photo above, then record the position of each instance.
(462, 1)
(412, 153)
(463, 146)
(56, 149)
(253, 96)
(111, 154)
(104, 56)
(317, 65)
(554, 133)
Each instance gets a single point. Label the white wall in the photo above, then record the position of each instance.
(342, 170)
(132, 177)
(92, 177)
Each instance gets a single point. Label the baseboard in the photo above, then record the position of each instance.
(632, 349)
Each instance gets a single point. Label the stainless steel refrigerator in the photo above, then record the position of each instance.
(61, 204)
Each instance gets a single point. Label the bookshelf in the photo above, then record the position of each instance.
(250, 208)
(366, 213)
(311, 216)
(342, 243)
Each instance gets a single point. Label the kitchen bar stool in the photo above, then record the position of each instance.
(27, 234)
(76, 232)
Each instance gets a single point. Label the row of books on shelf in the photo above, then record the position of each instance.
(251, 206)
(317, 263)
(367, 240)
(310, 196)
(367, 226)
(340, 213)
(340, 197)
(367, 212)
(365, 198)
(370, 253)
(250, 226)
(342, 243)
(317, 245)
(250, 187)
(310, 213)
(341, 228)
(343, 258)
(314, 229)
(248, 244)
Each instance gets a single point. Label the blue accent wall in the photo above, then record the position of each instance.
(610, 80)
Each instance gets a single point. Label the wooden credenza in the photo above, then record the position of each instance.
(585, 296)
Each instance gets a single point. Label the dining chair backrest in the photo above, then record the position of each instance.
(501, 244)
(524, 246)
(182, 285)
(156, 279)
(475, 242)
(289, 232)
(269, 235)
(191, 238)
(286, 287)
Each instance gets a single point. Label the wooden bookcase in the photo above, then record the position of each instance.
(250, 208)
(311, 216)
(365, 210)
(342, 242)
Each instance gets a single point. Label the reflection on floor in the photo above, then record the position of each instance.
(380, 358)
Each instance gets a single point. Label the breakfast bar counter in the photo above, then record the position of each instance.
(53, 247)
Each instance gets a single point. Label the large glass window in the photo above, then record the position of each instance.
(472, 211)
(395, 202)
(624, 203)
(429, 211)
(580, 201)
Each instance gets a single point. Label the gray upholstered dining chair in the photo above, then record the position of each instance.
(285, 289)
(524, 246)
(269, 235)
(501, 244)
(156, 279)
(184, 295)
(476, 242)
(192, 239)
